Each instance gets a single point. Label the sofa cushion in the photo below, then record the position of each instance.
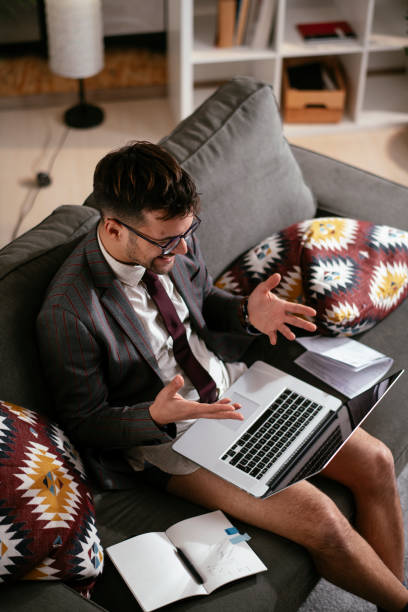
(47, 519)
(250, 183)
(27, 266)
(353, 272)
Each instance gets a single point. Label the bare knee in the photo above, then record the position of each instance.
(330, 532)
(383, 461)
(380, 473)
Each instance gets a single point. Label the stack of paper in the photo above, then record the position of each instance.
(343, 363)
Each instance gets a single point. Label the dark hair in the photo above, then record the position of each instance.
(141, 177)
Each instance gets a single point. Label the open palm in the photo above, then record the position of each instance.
(271, 314)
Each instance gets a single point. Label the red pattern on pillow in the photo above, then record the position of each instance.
(354, 273)
(47, 519)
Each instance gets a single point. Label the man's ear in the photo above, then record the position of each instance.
(112, 228)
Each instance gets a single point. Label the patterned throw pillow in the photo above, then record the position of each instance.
(353, 273)
(47, 520)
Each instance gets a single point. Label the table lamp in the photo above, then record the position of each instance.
(75, 50)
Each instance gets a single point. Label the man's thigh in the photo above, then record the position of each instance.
(296, 513)
(356, 462)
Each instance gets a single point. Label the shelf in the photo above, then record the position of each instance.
(303, 50)
(230, 54)
(387, 42)
(205, 51)
(385, 100)
(390, 28)
(293, 45)
(306, 129)
(195, 63)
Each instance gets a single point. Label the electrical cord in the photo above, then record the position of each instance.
(42, 179)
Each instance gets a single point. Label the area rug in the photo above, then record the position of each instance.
(30, 75)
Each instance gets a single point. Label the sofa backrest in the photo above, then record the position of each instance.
(27, 266)
(250, 183)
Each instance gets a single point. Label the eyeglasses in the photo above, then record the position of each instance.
(172, 243)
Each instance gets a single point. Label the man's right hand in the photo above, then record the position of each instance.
(170, 407)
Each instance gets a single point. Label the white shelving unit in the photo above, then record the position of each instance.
(375, 64)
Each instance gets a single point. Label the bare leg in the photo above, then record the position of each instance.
(366, 466)
(307, 516)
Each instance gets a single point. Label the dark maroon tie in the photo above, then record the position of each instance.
(183, 354)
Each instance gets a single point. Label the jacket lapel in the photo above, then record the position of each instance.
(181, 278)
(114, 299)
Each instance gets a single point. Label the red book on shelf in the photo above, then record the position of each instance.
(330, 31)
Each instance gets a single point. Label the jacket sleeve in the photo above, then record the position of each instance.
(74, 368)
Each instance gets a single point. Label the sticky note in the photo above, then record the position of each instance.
(242, 537)
(231, 530)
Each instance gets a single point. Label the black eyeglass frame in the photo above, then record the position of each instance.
(172, 243)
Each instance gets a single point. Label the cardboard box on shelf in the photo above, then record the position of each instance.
(324, 102)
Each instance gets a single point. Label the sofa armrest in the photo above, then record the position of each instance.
(45, 596)
(351, 192)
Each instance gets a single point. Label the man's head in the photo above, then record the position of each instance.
(145, 197)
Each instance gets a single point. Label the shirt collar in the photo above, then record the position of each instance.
(128, 274)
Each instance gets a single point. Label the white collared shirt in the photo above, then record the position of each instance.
(161, 343)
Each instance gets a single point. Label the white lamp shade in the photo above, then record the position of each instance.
(75, 37)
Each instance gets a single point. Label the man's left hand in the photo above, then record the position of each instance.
(270, 314)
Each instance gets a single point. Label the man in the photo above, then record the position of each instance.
(136, 342)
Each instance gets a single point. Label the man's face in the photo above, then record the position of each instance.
(136, 250)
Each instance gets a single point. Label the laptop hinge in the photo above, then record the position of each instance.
(301, 451)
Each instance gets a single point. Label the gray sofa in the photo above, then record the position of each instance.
(251, 184)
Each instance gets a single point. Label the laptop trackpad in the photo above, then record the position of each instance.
(248, 407)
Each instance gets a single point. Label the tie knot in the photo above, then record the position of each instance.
(151, 280)
(149, 275)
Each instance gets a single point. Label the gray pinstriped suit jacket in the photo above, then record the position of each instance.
(98, 360)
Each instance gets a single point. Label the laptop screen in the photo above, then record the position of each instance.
(309, 461)
(359, 407)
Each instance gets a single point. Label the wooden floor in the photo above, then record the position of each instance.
(36, 139)
(383, 151)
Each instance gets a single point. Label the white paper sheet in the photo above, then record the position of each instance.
(205, 542)
(152, 570)
(345, 350)
(342, 377)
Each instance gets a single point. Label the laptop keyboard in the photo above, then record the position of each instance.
(272, 433)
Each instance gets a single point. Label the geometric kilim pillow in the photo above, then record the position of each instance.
(47, 519)
(281, 253)
(354, 273)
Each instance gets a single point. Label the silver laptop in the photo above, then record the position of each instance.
(291, 430)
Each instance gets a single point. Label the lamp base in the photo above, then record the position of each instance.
(84, 115)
